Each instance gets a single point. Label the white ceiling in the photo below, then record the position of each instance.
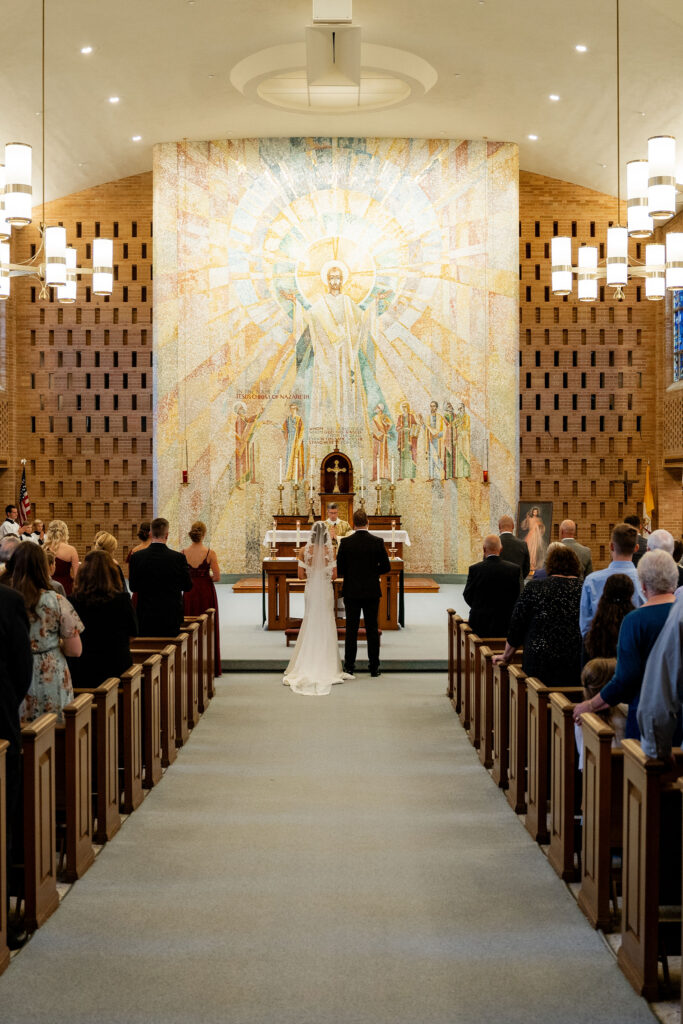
(169, 61)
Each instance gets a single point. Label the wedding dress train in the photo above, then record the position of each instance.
(315, 665)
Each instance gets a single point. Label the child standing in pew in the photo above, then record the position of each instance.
(596, 674)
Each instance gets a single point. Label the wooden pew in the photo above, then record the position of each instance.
(4, 948)
(105, 759)
(565, 790)
(211, 614)
(180, 643)
(454, 623)
(462, 679)
(483, 711)
(203, 647)
(40, 845)
(169, 750)
(516, 791)
(602, 806)
(538, 754)
(500, 741)
(151, 716)
(73, 785)
(651, 868)
(192, 630)
(130, 737)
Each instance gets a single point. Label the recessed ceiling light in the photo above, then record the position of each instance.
(113, 99)
(212, 76)
(554, 97)
(86, 49)
(136, 138)
(532, 137)
(601, 165)
(580, 48)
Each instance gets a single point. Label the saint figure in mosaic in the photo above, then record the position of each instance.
(407, 429)
(293, 429)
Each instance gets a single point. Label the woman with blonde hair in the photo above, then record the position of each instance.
(108, 543)
(204, 571)
(66, 556)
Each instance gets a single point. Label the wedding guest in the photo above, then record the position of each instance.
(492, 588)
(513, 549)
(615, 603)
(594, 675)
(66, 556)
(105, 608)
(57, 587)
(54, 631)
(545, 621)
(622, 545)
(568, 537)
(662, 540)
(159, 576)
(10, 527)
(641, 542)
(658, 576)
(8, 546)
(204, 572)
(108, 543)
(145, 538)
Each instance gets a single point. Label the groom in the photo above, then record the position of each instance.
(361, 560)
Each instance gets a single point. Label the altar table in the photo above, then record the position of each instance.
(278, 571)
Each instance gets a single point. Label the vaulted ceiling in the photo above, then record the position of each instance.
(497, 62)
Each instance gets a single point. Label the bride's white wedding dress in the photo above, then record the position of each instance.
(315, 665)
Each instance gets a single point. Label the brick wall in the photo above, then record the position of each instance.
(83, 387)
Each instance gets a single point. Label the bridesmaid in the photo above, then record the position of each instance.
(145, 538)
(66, 556)
(204, 571)
(108, 543)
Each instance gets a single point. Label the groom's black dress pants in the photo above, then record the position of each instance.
(369, 606)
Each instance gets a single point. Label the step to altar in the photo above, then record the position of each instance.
(412, 585)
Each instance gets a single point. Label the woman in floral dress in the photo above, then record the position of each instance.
(54, 632)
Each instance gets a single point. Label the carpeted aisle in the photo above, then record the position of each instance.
(337, 860)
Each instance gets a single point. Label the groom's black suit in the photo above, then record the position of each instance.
(361, 560)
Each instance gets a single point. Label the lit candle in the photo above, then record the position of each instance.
(378, 476)
(393, 533)
(274, 531)
(310, 489)
(298, 538)
(392, 470)
(280, 470)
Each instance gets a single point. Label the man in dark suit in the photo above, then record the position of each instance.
(492, 588)
(513, 549)
(16, 669)
(159, 577)
(568, 538)
(361, 560)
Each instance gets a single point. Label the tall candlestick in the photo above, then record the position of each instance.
(280, 470)
(362, 470)
(392, 470)
(393, 533)
(298, 538)
(378, 476)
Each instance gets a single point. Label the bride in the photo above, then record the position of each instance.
(315, 665)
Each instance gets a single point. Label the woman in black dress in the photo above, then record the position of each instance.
(545, 622)
(109, 618)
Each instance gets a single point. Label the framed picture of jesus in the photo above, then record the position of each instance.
(534, 525)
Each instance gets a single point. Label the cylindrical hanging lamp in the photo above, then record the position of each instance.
(67, 292)
(617, 256)
(654, 271)
(661, 185)
(4, 270)
(55, 256)
(588, 273)
(561, 265)
(674, 260)
(102, 266)
(5, 228)
(18, 192)
(639, 219)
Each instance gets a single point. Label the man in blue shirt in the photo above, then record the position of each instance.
(622, 545)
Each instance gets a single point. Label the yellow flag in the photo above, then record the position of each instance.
(648, 503)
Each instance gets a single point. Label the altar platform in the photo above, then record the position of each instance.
(420, 647)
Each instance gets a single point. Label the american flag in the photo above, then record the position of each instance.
(24, 500)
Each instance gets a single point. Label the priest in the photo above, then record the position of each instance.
(337, 527)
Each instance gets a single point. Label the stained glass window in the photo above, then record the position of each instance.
(677, 299)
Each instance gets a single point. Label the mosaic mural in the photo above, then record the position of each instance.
(356, 292)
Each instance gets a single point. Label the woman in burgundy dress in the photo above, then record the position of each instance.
(204, 571)
(66, 556)
(145, 537)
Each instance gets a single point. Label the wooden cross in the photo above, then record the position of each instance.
(337, 470)
(627, 485)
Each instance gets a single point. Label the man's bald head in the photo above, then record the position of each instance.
(506, 524)
(492, 545)
(567, 528)
(8, 546)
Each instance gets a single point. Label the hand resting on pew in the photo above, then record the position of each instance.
(506, 657)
